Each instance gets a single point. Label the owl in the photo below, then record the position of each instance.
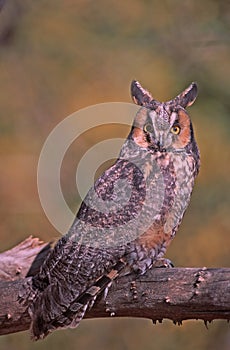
(128, 218)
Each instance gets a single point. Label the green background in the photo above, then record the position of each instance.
(57, 57)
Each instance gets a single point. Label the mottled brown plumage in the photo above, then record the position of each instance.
(127, 219)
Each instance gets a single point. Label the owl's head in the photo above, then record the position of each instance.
(163, 126)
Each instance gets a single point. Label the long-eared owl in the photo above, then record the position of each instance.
(128, 218)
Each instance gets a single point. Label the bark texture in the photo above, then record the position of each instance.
(177, 293)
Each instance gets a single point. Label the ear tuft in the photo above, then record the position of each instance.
(139, 95)
(187, 97)
(190, 95)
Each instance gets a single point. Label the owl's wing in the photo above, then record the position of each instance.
(109, 207)
(65, 285)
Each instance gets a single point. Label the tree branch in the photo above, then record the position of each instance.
(177, 293)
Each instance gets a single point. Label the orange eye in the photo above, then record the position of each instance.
(175, 130)
(148, 127)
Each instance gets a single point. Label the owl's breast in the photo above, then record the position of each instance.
(171, 189)
(169, 184)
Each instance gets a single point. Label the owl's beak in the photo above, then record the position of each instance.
(157, 147)
(161, 143)
(160, 146)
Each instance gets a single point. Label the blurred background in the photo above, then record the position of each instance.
(57, 57)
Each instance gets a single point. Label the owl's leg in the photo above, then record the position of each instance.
(163, 262)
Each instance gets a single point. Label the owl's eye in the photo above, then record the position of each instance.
(175, 129)
(148, 127)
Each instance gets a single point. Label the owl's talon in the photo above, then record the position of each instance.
(163, 263)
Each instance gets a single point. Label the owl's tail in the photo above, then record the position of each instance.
(68, 317)
(88, 298)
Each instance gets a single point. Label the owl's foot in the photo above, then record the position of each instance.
(162, 262)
